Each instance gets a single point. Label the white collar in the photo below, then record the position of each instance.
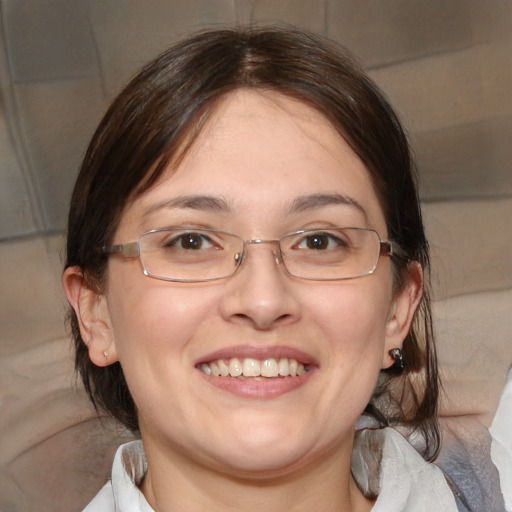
(383, 463)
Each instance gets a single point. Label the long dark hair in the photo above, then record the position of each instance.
(157, 116)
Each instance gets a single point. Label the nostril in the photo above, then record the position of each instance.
(262, 324)
(284, 318)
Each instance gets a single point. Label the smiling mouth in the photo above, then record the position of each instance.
(250, 368)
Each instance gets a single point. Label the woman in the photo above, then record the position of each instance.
(247, 270)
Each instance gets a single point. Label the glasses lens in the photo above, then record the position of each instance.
(189, 254)
(331, 254)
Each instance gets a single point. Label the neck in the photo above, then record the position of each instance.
(178, 483)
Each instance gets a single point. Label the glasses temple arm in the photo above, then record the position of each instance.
(129, 250)
(388, 248)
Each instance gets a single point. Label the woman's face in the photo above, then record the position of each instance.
(263, 166)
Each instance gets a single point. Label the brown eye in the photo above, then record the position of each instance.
(317, 241)
(321, 241)
(190, 242)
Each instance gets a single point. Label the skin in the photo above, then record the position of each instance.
(212, 448)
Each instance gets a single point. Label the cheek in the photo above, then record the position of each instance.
(354, 304)
(155, 328)
(350, 319)
(353, 318)
(150, 317)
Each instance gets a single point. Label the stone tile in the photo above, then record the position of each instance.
(436, 92)
(473, 334)
(495, 67)
(490, 20)
(309, 14)
(16, 215)
(58, 119)
(49, 39)
(470, 160)
(462, 333)
(31, 379)
(56, 249)
(384, 32)
(243, 11)
(51, 436)
(77, 460)
(130, 33)
(471, 245)
(31, 303)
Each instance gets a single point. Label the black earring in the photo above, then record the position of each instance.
(398, 356)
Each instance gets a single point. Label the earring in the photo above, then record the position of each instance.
(105, 353)
(398, 356)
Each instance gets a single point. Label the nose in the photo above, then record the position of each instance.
(261, 293)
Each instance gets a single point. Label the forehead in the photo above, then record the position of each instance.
(261, 151)
(279, 131)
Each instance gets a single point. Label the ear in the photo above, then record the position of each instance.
(91, 309)
(402, 312)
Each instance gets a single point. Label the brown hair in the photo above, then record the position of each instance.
(167, 103)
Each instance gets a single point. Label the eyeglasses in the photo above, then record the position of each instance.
(190, 255)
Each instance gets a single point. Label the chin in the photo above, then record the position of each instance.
(267, 452)
(259, 465)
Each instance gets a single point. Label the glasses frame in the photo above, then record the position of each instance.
(132, 250)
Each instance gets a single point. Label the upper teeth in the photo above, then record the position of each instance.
(249, 367)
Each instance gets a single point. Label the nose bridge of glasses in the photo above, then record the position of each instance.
(276, 250)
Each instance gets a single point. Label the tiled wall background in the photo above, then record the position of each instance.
(445, 64)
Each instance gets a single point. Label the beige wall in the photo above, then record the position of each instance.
(446, 65)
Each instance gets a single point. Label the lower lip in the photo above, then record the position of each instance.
(259, 389)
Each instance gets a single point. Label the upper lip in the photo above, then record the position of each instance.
(258, 352)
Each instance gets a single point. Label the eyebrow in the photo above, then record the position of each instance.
(192, 202)
(316, 201)
(218, 204)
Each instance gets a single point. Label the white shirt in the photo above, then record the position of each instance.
(383, 462)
